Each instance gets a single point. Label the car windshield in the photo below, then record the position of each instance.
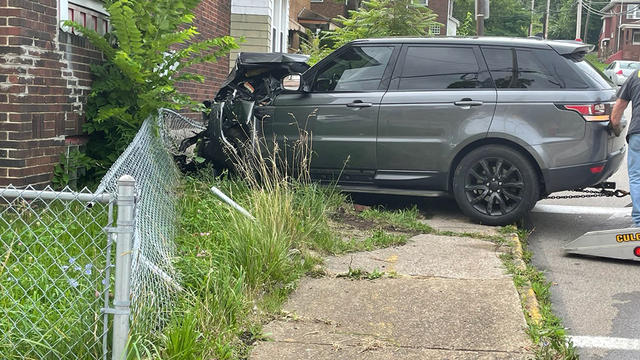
(630, 65)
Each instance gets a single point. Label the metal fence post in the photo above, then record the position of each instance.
(125, 228)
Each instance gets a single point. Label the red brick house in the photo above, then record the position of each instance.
(45, 78)
(620, 35)
(332, 8)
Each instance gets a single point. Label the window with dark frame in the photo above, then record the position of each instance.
(530, 69)
(441, 68)
(636, 37)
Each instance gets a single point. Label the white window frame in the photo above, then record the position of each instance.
(635, 32)
(435, 29)
(633, 11)
(279, 26)
(95, 7)
(317, 1)
(421, 2)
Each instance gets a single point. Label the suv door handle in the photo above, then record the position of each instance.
(468, 102)
(359, 104)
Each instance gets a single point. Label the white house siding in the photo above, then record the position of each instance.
(257, 21)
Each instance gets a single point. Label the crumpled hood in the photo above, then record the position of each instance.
(257, 76)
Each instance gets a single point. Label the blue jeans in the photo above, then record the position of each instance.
(633, 164)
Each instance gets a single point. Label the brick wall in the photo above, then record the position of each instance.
(213, 19)
(44, 80)
(330, 8)
(440, 7)
(295, 6)
(296, 30)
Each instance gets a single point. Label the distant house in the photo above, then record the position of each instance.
(444, 10)
(264, 25)
(297, 25)
(620, 35)
(330, 9)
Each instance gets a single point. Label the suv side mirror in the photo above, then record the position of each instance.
(292, 82)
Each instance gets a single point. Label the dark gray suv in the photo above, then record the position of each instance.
(498, 123)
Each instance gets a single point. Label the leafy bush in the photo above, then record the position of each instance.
(374, 19)
(149, 48)
(382, 18)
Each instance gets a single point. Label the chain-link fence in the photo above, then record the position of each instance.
(54, 273)
(56, 281)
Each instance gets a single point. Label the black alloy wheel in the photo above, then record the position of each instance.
(495, 185)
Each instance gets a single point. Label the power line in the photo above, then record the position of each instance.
(601, 13)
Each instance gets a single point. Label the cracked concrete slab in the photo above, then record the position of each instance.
(428, 255)
(417, 313)
(301, 351)
(456, 222)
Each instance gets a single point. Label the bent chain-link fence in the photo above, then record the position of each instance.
(56, 281)
(154, 280)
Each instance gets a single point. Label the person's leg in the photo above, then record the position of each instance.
(633, 162)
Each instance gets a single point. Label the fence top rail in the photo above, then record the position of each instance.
(185, 119)
(12, 193)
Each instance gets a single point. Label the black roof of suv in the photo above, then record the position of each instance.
(561, 46)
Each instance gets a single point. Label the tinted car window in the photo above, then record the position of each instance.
(594, 75)
(530, 69)
(437, 68)
(359, 68)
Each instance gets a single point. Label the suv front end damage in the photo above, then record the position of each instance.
(244, 100)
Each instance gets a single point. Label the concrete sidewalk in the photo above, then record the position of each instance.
(447, 298)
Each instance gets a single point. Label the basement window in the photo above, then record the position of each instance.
(90, 13)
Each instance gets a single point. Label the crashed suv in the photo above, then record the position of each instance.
(498, 123)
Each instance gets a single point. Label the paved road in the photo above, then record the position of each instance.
(597, 299)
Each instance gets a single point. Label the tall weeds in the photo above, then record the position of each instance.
(237, 270)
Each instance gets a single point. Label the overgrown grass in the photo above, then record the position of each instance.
(235, 269)
(403, 218)
(52, 263)
(379, 239)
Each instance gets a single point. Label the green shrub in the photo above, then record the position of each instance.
(150, 47)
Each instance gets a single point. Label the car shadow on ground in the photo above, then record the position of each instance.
(428, 207)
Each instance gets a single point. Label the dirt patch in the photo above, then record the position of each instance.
(351, 226)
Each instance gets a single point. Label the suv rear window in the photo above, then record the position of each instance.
(595, 76)
(531, 69)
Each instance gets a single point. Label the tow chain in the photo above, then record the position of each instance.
(591, 194)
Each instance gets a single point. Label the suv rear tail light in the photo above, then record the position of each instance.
(619, 72)
(592, 112)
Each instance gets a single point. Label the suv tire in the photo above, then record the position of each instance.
(495, 185)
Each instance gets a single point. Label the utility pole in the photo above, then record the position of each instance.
(579, 20)
(531, 23)
(586, 28)
(480, 17)
(546, 20)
